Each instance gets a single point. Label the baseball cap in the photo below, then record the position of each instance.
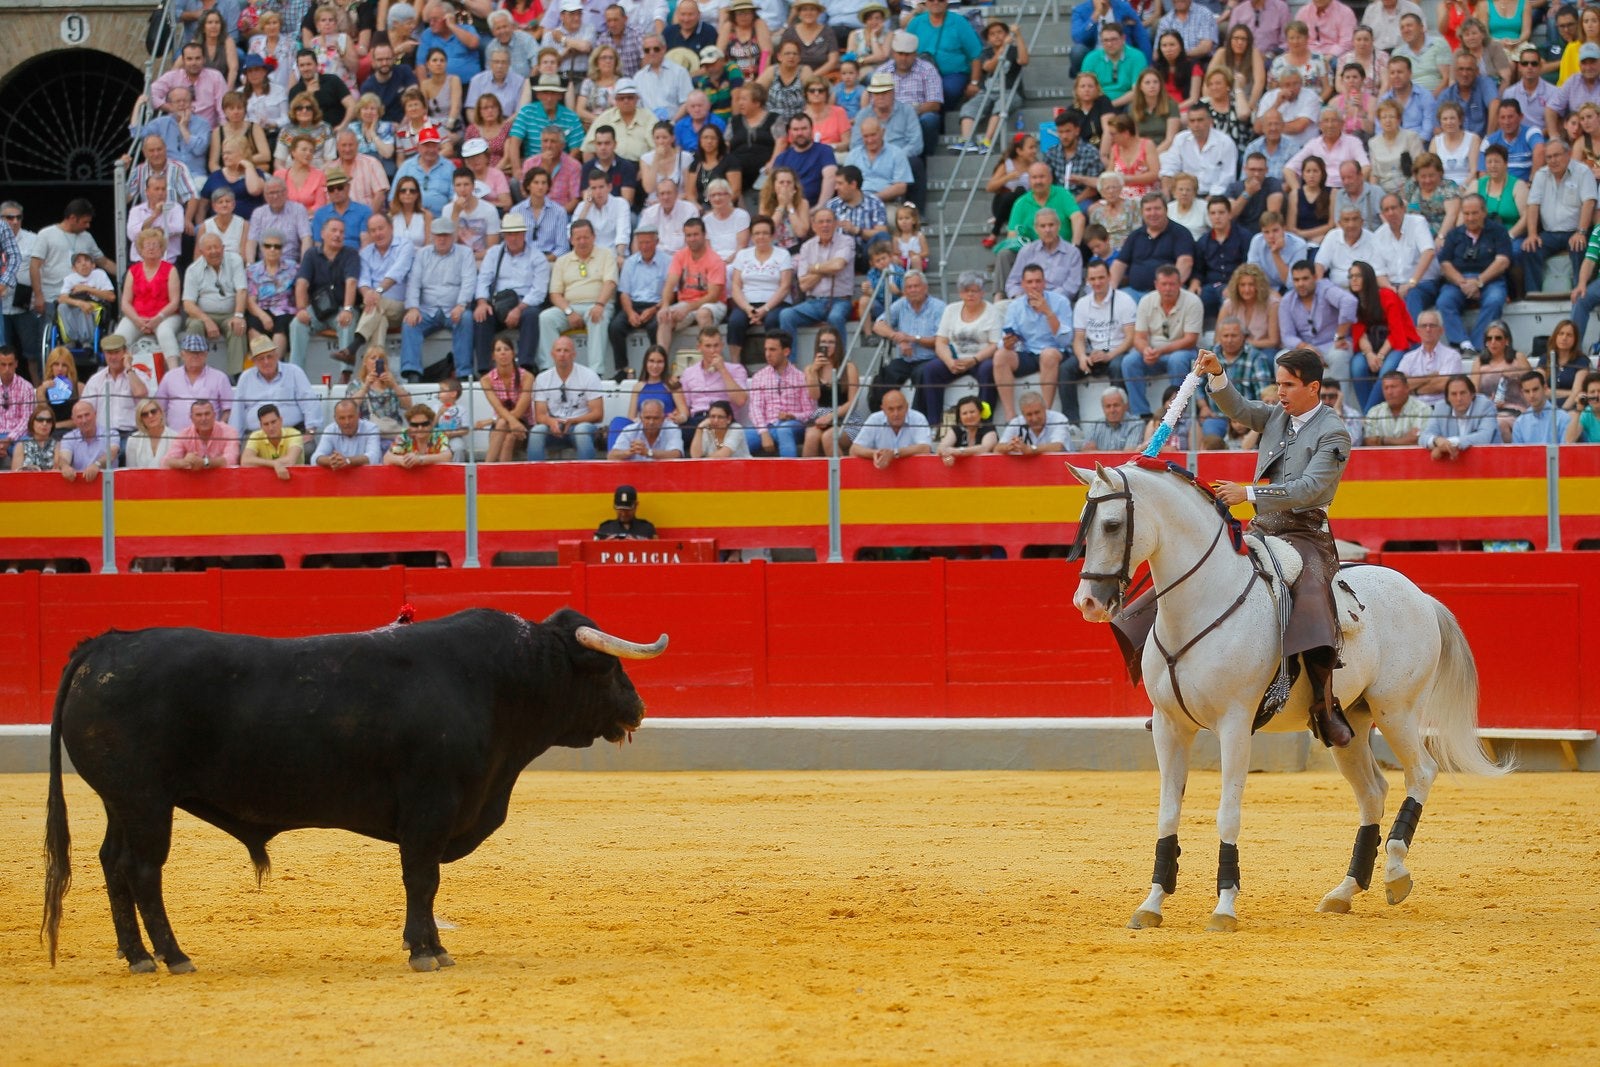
(1589, 50)
(626, 496)
(710, 54)
(475, 147)
(443, 224)
(572, 5)
(903, 41)
(428, 135)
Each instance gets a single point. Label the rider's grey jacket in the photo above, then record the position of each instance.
(1312, 463)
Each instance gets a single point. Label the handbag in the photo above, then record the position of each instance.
(325, 301)
(502, 301)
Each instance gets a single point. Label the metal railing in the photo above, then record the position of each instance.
(156, 64)
(1007, 98)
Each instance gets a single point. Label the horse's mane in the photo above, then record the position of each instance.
(1234, 526)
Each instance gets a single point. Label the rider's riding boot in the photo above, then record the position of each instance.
(1328, 723)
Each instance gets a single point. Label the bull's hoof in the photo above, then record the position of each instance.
(144, 966)
(445, 960)
(1144, 920)
(1222, 923)
(424, 963)
(181, 967)
(1332, 905)
(1398, 889)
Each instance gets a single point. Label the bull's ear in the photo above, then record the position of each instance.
(1082, 475)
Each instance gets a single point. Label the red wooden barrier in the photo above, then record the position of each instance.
(931, 638)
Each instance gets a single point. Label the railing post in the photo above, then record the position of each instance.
(1552, 488)
(470, 486)
(108, 506)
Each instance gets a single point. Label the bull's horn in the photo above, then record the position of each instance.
(600, 641)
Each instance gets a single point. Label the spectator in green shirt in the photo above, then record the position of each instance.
(1114, 65)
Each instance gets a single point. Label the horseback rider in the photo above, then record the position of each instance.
(1303, 451)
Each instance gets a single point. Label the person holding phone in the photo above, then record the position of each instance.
(380, 398)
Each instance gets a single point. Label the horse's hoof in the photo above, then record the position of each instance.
(1144, 920)
(1221, 923)
(181, 967)
(445, 960)
(1332, 905)
(1398, 889)
(424, 963)
(145, 966)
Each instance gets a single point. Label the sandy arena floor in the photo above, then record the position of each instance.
(751, 918)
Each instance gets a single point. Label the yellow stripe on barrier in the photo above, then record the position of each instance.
(1454, 498)
(57, 518)
(1580, 496)
(303, 515)
(517, 512)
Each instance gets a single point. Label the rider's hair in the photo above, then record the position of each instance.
(1304, 363)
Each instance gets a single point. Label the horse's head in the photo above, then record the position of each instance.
(1109, 545)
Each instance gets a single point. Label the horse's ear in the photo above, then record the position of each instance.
(1100, 471)
(1082, 475)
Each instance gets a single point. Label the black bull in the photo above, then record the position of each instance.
(410, 734)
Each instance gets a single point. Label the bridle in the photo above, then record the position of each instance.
(1123, 575)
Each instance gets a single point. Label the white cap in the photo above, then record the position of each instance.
(475, 147)
(904, 42)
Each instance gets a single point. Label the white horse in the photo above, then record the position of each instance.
(1407, 669)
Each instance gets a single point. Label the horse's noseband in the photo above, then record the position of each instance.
(1123, 575)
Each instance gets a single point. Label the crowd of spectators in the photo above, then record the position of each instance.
(1366, 180)
(513, 174)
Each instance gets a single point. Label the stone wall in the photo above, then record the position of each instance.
(44, 26)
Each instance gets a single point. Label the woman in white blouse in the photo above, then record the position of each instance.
(727, 226)
(666, 160)
(968, 337)
(147, 448)
(760, 281)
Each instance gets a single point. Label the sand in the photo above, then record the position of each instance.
(873, 918)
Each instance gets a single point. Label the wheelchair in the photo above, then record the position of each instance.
(78, 331)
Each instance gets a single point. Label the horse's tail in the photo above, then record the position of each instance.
(1450, 713)
(57, 837)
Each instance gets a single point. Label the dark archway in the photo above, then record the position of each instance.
(63, 123)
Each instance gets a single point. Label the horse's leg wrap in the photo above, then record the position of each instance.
(1365, 854)
(1166, 872)
(1405, 821)
(1228, 865)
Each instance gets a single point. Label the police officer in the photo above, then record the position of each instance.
(627, 526)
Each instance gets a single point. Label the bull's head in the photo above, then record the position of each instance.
(606, 703)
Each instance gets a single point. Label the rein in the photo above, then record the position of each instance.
(1123, 576)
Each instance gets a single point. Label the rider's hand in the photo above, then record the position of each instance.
(1208, 363)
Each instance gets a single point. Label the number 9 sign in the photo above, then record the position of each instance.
(74, 29)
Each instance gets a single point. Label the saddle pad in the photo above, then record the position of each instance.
(1265, 549)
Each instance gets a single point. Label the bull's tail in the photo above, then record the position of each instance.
(57, 837)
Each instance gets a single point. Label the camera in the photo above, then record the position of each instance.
(381, 365)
